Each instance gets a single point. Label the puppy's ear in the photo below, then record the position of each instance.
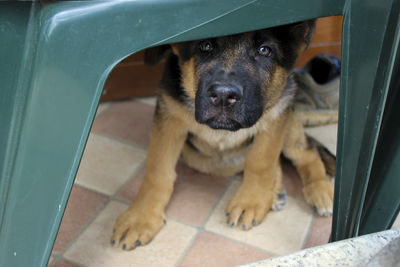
(303, 32)
(175, 48)
(153, 55)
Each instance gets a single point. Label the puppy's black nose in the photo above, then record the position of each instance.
(222, 95)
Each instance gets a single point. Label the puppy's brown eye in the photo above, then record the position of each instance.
(265, 50)
(205, 46)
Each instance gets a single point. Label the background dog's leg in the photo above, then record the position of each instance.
(144, 218)
(317, 189)
(256, 194)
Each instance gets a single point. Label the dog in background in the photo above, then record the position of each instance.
(225, 105)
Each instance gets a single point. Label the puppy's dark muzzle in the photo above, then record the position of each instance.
(224, 96)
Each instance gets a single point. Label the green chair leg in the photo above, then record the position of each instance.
(382, 203)
(48, 114)
(367, 64)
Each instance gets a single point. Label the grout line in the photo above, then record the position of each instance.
(273, 254)
(122, 141)
(68, 261)
(73, 262)
(83, 229)
(132, 176)
(118, 190)
(188, 247)
(126, 202)
(56, 257)
(217, 201)
(308, 232)
(201, 229)
(76, 183)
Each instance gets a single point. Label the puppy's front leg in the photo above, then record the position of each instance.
(261, 178)
(318, 191)
(144, 218)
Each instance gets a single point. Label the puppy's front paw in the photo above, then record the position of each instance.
(134, 228)
(248, 207)
(320, 195)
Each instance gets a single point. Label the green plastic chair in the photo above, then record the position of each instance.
(55, 58)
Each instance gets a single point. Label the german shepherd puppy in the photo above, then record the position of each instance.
(225, 105)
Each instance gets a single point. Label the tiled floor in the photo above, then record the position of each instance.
(196, 233)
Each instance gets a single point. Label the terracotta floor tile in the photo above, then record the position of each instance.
(82, 205)
(194, 194)
(62, 263)
(291, 180)
(128, 120)
(130, 190)
(320, 232)
(107, 164)
(281, 232)
(214, 251)
(93, 247)
(51, 260)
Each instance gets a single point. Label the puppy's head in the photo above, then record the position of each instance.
(234, 79)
